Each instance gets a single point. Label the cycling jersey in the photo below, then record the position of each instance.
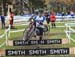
(39, 20)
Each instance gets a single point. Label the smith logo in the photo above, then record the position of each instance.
(50, 51)
(36, 42)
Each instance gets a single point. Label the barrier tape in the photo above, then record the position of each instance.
(3, 44)
(1, 36)
(17, 31)
(68, 33)
(5, 33)
(21, 24)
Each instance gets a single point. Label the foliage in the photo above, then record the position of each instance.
(62, 5)
(37, 3)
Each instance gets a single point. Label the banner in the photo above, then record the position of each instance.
(36, 42)
(48, 51)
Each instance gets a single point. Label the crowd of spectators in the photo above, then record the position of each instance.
(10, 20)
(50, 17)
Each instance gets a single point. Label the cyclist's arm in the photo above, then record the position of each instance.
(30, 18)
(45, 22)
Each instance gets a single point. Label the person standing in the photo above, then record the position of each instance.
(63, 14)
(53, 19)
(11, 19)
(3, 21)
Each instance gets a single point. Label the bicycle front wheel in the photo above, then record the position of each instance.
(28, 34)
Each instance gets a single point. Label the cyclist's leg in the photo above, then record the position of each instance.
(40, 34)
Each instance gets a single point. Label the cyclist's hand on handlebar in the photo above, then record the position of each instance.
(46, 25)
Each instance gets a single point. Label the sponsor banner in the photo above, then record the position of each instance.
(36, 42)
(48, 51)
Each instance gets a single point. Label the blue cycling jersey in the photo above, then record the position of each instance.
(40, 19)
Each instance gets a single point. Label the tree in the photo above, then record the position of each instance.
(62, 5)
(36, 4)
(5, 7)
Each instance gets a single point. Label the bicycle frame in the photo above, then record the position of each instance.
(29, 32)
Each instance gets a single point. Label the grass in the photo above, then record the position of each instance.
(58, 30)
(15, 36)
(1, 31)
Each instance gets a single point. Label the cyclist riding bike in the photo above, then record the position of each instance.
(37, 26)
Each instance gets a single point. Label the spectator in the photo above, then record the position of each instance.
(53, 19)
(72, 14)
(3, 21)
(11, 19)
(63, 14)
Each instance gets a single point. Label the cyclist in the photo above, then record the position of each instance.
(40, 23)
